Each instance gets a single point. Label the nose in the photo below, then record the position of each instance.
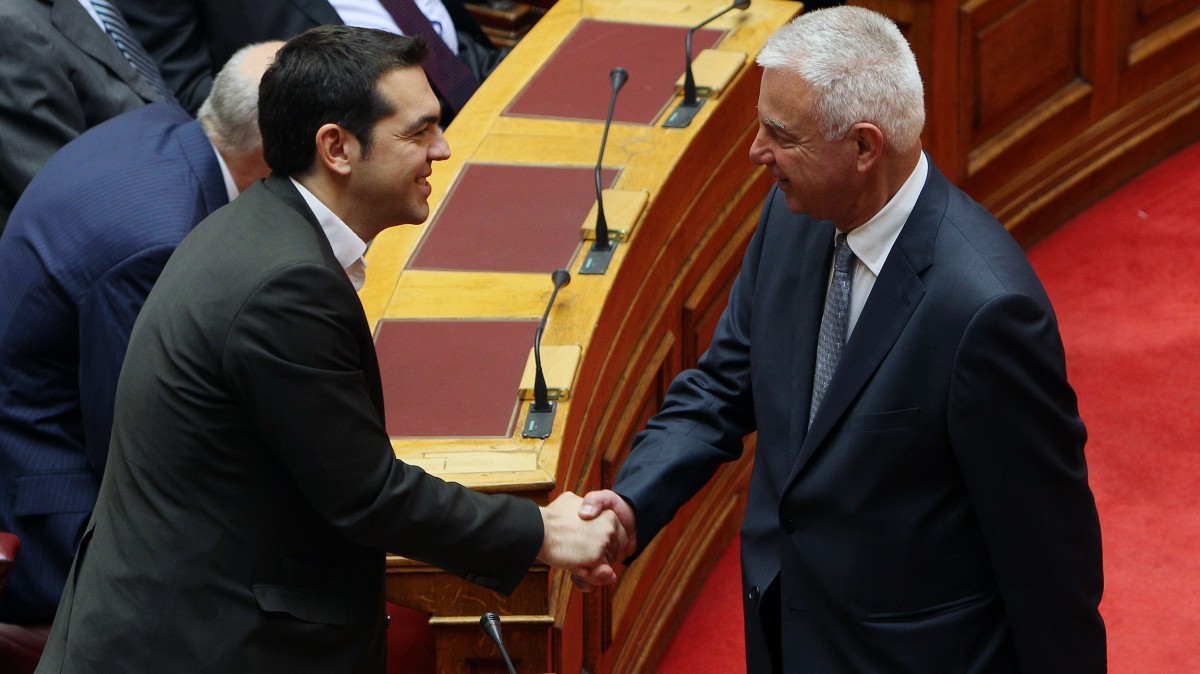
(439, 150)
(760, 153)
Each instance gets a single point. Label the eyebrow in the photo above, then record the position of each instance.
(422, 122)
(773, 123)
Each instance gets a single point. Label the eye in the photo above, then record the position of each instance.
(417, 133)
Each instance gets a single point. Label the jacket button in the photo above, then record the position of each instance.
(753, 593)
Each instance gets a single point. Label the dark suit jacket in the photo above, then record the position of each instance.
(251, 488)
(192, 39)
(60, 74)
(936, 517)
(83, 248)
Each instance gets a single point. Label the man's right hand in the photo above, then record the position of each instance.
(594, 505)
(572, 542)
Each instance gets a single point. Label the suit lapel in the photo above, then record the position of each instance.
(77, 26)
(893, 299)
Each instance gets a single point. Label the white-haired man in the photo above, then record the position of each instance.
(919, 500)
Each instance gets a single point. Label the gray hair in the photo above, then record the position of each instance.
(860, 68)
(229, 114)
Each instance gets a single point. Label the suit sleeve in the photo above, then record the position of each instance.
(106, 316)
(39, 111)
(1015, 427)
(173, 32)
(298, 369)
(707, 412)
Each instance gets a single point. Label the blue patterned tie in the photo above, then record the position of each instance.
(834, 322)
(122, 36)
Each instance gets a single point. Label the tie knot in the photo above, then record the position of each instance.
(842, 255)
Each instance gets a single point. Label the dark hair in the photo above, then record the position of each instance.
(327, 74)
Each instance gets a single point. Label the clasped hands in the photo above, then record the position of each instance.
(588, 536)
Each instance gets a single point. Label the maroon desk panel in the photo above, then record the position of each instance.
(511, 218)
(574, 83)
(452, 378)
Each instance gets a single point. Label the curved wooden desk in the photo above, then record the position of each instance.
(466, 282)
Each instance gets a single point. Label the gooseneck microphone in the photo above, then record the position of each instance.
(541, 396)
(689, 79)
(490, 622)
(540, 419)
(618, 76)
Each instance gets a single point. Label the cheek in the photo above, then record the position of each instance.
(799, 169)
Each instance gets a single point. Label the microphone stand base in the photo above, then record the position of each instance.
(681, 116)
(538, 424)
(596, 262)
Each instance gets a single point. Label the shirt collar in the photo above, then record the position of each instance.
(347, 247)
(230, 186)
(872, 241)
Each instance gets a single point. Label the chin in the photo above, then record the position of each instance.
(416, 218)
(796, 206)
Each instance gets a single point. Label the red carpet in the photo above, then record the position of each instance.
(1123, 279)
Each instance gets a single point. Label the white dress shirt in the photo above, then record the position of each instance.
(347, 247)
(371, 14)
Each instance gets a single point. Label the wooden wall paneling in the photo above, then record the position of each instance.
(707, 524)
(717, 229)
(1020, 52)
(709, 296)
(619, 604)
(460, 603)
(1158, 38)
(524, 637)
(1105, 155)
(1026, 84)
(631, 395)
(943, 93)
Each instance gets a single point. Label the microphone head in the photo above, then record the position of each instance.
(490, 622)
(560, 277)
(741, 4)
(618, 77)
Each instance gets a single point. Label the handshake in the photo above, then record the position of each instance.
(588, 536)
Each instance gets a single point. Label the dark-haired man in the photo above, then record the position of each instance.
(251, 487)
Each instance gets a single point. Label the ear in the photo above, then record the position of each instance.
(337, 149)
(869, 144)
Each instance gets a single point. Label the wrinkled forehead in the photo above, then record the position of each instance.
(785, 99)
